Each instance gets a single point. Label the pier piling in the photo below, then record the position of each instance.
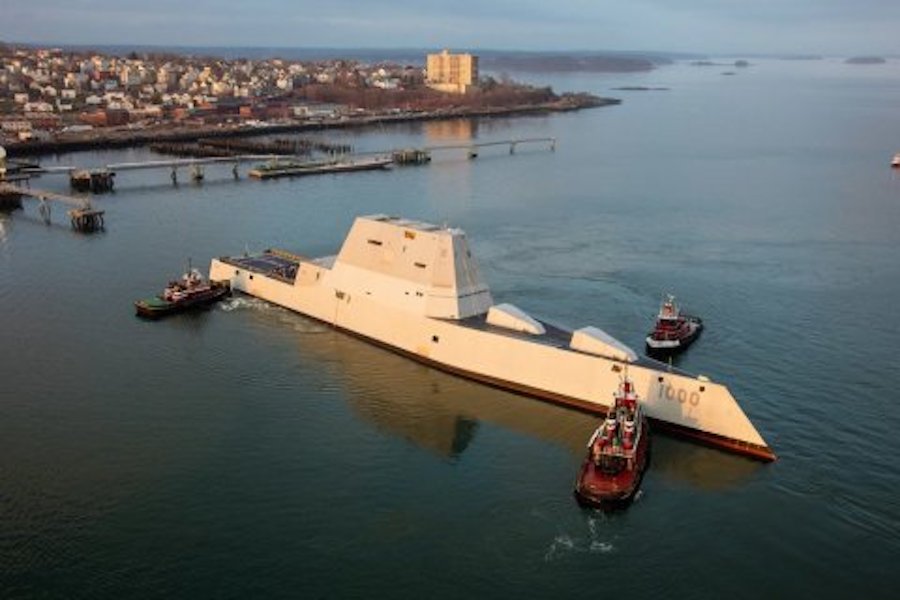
(86, 220)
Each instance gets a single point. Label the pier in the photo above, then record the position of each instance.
(101, 179)
(421, 156)
(473, 147)
(82, 216)
(294, 159)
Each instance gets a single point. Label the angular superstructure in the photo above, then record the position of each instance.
(414, 265)
(415, 288)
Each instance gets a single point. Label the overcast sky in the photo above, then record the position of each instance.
(831, 27)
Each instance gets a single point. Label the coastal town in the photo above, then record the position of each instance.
(55, 98)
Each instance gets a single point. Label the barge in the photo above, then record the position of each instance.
(414, 288)
(278, 169)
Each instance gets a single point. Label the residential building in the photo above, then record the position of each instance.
(454, 73)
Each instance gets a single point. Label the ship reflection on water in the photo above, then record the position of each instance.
(443, 413)
(438, 412)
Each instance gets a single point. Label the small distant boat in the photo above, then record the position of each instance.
(895, 162)
(190, 291)
(617, 456)
(673, 331)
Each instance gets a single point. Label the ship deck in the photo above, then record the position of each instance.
(276, 264)
(556, 336)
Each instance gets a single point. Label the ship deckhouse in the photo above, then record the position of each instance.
(417, 266)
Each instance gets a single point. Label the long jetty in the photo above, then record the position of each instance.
(82, 216)
(100, 179)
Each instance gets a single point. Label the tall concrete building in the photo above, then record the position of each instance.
(454, 73)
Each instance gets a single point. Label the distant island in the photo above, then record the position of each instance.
(710, 63)
(865, 60)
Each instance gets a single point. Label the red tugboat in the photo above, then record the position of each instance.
(188, 292)
(618, 454)
(674, 331)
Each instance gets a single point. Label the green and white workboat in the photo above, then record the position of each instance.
(189, 292)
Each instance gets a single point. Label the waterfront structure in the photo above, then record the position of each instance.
(415, 288)
(454, 73)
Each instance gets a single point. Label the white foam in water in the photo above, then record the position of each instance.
(564, 543)
(310, 327)
(602, 547)
(561, 543)
(246, 303)
(296, 322)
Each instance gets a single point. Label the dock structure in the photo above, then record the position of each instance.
(101, 179)
(10, 198)
(472, 148)
(82, 216)
(422, 156)
(97, 181)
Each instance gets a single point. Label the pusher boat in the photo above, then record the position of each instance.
(617, 455)
(190, 291)
(673, 331)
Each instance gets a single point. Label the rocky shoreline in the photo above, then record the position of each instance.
(125, 137)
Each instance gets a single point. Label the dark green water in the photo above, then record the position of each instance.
(248, 452)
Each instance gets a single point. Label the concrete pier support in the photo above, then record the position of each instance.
(44, 210)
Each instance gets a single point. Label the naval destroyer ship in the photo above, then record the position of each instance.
(414, 288)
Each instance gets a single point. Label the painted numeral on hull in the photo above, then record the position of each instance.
(681, 395)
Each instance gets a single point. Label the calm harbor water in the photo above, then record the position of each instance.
(249, 452)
